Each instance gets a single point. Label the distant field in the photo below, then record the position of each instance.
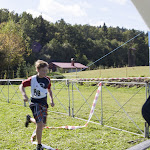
(13, 134)
(141, 71)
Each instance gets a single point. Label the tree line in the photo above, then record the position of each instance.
(24, 39)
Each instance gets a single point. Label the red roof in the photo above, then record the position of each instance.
(69, 66)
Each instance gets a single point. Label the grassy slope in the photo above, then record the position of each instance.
(114, 72)
(13, 134)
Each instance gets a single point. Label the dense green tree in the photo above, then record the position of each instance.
(12, 45)
(105, 30)
(26, 39)
(4, 15)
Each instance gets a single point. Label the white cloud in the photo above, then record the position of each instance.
(84, 4)
(104, 9)
(33, 12)
(55, 8)
(37, 13)
(98, 23)
(47, 17)
(121, 2)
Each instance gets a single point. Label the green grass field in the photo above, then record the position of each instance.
(141, 71)
(13, 134)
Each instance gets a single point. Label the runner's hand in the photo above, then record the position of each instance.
(25, 98)
(52, 104)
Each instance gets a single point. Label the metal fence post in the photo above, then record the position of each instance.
(101, 105)
(72, 101)
(69, 96)
(146, 127)
(146, 130)
(8, 90)
(25, 104)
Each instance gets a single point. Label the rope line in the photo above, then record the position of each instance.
(112, 51)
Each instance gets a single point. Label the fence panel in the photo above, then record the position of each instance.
(61, 95)
(83, 96)
(122, 106)
(118, 106)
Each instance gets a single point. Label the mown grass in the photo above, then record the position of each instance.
(141, 71)
(13, 134)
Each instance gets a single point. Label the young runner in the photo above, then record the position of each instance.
(40, 86)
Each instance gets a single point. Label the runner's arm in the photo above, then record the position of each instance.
(51, 97)
(22, 89)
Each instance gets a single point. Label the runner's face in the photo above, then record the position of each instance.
(42, 72)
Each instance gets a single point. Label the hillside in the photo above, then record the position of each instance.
(141, 71)
(36, 38)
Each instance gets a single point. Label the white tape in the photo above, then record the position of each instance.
(71, 127)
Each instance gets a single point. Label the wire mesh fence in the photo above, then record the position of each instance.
(118, 108)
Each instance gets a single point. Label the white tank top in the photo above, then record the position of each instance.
(37, 91)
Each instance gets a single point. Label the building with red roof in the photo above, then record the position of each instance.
(67, 67)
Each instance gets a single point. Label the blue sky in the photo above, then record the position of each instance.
(120, 13)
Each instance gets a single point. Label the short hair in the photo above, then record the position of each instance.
(40, 64)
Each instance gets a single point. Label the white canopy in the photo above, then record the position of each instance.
(143, 7)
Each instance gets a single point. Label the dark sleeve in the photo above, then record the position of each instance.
(26, 82)
(49, 85)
